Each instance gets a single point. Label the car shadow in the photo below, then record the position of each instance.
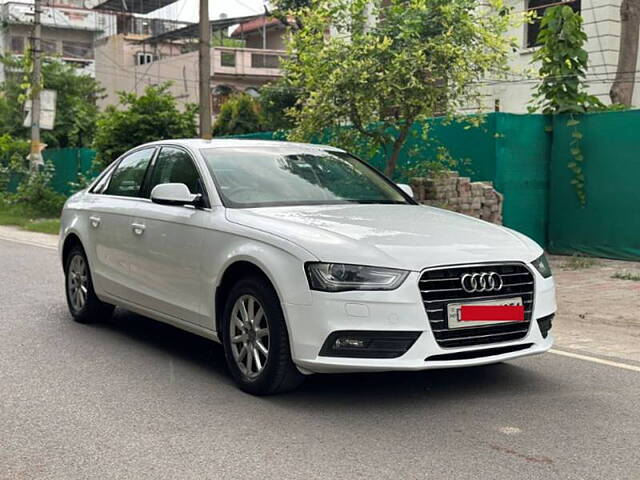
(341, 390)
(180, 344)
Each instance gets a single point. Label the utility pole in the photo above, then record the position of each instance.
(35, 157)
(204, 58)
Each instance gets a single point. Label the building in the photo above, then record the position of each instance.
(602, 26)
(119, 55)
(246, 54)
(69, 31)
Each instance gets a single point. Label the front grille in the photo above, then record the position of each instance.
(441, 286)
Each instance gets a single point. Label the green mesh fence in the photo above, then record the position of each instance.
(69, 163)
(528, 164)
(608, 225)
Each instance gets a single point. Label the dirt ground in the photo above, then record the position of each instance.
(598, 314)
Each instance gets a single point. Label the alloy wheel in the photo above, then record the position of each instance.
(78, 282)
(249, 336)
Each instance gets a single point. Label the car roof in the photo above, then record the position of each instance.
(198, 143)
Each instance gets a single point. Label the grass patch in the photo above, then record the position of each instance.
(11, 219)
(634, 277)
(579, 262)
(49, 225)
(42, 225)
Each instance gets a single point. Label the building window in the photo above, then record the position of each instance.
(263, 60)
(228, 59)
(49, 47)
(17, 44)
(76, 50)
(142, 58)
(540, 6)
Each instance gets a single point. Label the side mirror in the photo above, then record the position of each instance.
(406, 189)
(173, 194)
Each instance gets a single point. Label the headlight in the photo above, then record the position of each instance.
(542, 265)
(340, 277)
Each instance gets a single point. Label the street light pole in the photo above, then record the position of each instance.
(204, 58)
(35, 157)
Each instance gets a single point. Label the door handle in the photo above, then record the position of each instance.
(95, 221)
(138, 228)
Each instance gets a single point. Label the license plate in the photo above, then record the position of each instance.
(477, 317)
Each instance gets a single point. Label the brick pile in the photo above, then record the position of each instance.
(451, 191)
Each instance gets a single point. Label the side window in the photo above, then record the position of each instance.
(540, 6)
(174, 165)
(127, 179)
(102, 182)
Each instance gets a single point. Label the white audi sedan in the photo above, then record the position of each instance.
(300, 259)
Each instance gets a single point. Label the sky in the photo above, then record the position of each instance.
(187, 10)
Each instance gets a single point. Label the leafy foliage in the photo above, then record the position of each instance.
(13, 158)
(416, 59)
(562, 89)
(563, 65)
(35, 196)
(276, 100)
(139, 119)
(76, 109)
(287, 11)
(239, 114)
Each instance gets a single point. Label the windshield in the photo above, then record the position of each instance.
(274, 176)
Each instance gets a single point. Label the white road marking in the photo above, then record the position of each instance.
(626, 366)
(510, 430)
(26, 242)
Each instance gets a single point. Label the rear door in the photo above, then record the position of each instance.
(167, 267)
(112, 201)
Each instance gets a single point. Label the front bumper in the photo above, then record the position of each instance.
(397, 310)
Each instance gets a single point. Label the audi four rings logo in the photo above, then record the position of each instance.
(481, 282)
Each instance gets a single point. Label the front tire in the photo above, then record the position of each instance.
(256, 341)
(84, 305)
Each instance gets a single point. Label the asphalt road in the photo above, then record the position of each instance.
(133, 398)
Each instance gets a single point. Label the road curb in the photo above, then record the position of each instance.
(17, 235)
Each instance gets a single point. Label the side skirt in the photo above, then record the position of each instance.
(160, 317)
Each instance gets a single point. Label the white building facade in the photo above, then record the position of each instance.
(602, 26)
(69, 31)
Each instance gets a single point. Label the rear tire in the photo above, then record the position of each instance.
(256, 341)
(83, 303)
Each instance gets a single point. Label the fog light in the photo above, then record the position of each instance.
(346, 342)
(368, 344)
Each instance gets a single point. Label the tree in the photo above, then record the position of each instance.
(624, 83)
(239, 114)
(287, 11)
(76, 109)
(563, 65)
(419, 58)
(139, 119)
(276, 100)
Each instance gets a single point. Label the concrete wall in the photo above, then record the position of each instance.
(275, 38)
(115, 71)
(116, 68)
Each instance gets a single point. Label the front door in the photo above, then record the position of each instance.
(167, 268)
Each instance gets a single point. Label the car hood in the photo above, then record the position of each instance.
(411, 237)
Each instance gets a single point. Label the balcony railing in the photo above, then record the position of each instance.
(247, 61)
